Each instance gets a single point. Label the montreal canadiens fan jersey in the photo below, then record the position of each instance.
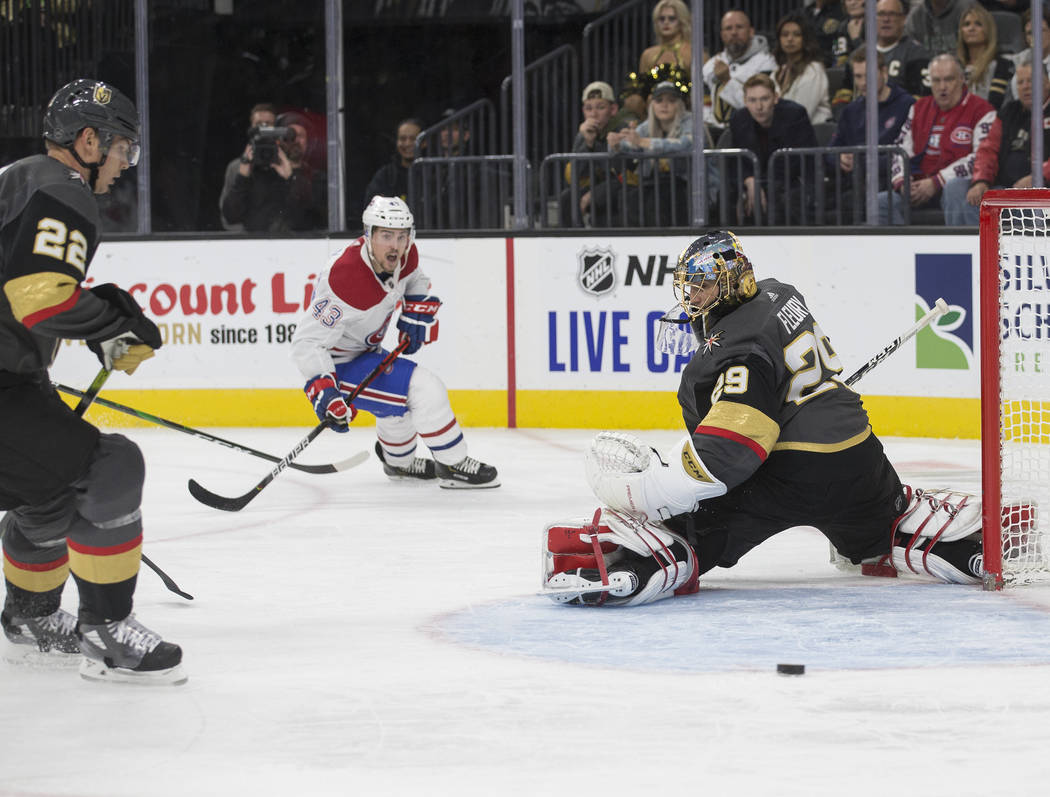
(763, 389)
(49, 230)
(351, 309)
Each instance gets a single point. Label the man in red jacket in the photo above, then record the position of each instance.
(1004, 159)
(941, 136)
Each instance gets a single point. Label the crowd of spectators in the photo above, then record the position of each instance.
(954, 99)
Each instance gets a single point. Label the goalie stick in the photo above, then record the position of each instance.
(87, 398)
(237, 503)
(334, 467)
(940, 307)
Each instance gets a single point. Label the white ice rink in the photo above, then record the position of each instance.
(352, 636)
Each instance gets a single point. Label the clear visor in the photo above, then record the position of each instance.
(126, 150)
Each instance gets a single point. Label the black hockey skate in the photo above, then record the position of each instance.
(127, 651)
(418, 470)
(468, 473)
(53, 633)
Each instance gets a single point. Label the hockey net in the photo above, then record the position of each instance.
(1015, 385)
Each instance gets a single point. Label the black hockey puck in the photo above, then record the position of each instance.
(791, 669)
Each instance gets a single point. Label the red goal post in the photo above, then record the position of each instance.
(1015, 384)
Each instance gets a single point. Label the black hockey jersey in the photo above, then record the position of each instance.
(49, 231)
(764, 390)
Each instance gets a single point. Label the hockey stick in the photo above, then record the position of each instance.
(334, 467)
(940, 307)
(87, 398)
(238, 503)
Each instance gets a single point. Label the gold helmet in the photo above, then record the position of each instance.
(713, 259)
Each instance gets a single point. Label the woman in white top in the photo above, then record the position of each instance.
(800, 74)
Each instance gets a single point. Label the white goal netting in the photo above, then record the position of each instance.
(1024, 394)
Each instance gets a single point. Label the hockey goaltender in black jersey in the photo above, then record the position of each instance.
(72, 493)
(776, 440)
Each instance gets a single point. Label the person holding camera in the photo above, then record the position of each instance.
(271, 188)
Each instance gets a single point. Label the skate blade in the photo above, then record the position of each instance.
(453, 484)
(31, 656)
(93, 670)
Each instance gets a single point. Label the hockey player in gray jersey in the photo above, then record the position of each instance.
(775, 440)
(72, 494)
(338, 341)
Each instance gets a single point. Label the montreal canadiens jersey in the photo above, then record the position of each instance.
(351, 309)
(49, 231)
(764, 390)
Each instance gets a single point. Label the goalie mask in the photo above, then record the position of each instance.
(389, 212)
(713, 271)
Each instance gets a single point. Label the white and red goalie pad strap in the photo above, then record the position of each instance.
(600, 544)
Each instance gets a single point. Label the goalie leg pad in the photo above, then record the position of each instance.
(615, 560)
(938, 534)
(629, 476)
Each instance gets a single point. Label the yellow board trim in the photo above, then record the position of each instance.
(891, 416)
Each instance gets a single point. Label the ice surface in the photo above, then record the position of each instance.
(353, 636)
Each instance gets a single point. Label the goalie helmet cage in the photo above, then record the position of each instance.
(1015, 384)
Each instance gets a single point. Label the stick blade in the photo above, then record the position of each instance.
(208, 498)
(351, 462)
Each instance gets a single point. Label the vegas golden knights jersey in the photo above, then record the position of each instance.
(764, 390)
(49, 230)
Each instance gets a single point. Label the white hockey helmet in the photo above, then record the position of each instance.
(390, 212)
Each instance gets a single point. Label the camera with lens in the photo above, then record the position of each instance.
(264, 140)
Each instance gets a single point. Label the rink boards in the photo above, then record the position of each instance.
(540, 332)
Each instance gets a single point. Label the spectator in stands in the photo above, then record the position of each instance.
(935, 23)
(893, 105)
(672, 29)
(800, 74)
(280, 192)
(392, 179)
(765, 124)
(669, 59)
(453, 137)
(907, 61)
(941, 136)
(668, 129)
(1027, 55)
(988, 72)
(262, 114)
(850, 34)
(746, 53)
(600, 112)
(824, 17)
(1004, 158)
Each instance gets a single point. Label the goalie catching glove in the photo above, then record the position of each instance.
(329, 404)
(615, 560)
(135, 343)
(418, 323)
(630, 476)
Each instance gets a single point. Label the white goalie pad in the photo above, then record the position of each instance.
(629, 476)
(931, 517)
(615, 560)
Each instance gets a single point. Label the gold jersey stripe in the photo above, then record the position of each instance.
(105, 569)
(35, 292)
(745, 421)
(36, 580)
(825, 448)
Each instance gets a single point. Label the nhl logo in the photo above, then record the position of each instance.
(597, 274)
(102, 94)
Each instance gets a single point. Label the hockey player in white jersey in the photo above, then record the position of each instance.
(338, 342)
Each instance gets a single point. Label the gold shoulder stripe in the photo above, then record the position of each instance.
(825, 448)
(745, 421)
(35, 292)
